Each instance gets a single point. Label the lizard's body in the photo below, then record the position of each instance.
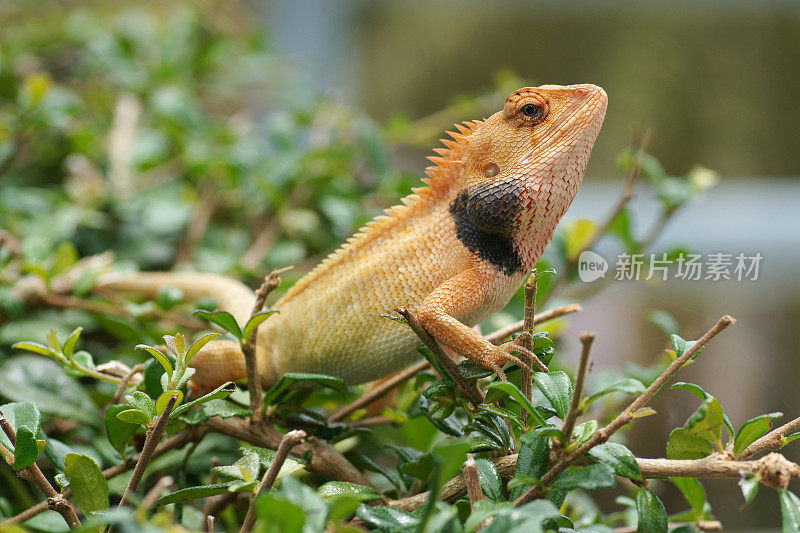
(453, 253)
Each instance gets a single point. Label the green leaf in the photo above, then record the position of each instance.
(592, 477)
(665, 321)
(256, 321)
(698, 391)
(514, 393)
(584, 431)
(69, 344)
(118, 431)
(26, 450)
(749, 488)
(168, 297)
(752, 430)
(790, 511)
(683, 444)
(133, 416)
(52, 341)
(198, 345)
(212, 408)
(680, 346)
(162, 358)
(652, 514)
(35, 347)
(292, 379)
(386, 518)
(533, 458)
(89, 487)
(469, 369)
(163, 400)
(490, 480)
(694, 493)
(221, 392)
(201, 491)
(557, 388)
(333, 489)
(21, 414)
(224, 320)
(626, 385)
(618, 457)
(278, 515)
(143, 402)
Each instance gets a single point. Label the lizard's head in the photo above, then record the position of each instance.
(523, 166)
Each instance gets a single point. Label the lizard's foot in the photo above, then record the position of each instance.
(504, 353)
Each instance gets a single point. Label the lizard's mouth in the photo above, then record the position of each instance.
(586, 116)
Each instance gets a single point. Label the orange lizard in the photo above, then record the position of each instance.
(454, 253)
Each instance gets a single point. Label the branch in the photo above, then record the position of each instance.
(271, 282)
(627, 415)
(154, 435)
(529, 319)
(289, 441)
(469, 389)
(714, 466)
(499, 335)
(55, 500)
(379, 391)
(772, 440)
(472, 481)
(325, 459)
(583, 367)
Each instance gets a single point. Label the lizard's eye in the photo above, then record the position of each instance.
(533, 112)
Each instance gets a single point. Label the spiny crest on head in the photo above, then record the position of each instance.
(438, 183)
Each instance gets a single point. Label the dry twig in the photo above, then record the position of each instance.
(580, 379)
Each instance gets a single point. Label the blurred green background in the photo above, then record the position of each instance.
(238, 136)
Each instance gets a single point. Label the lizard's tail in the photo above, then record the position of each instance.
(231, 295)
(219, 361)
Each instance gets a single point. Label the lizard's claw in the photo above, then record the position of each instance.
(504, 353)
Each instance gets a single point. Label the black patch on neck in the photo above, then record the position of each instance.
(485, 217)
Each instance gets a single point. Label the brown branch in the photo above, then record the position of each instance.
(472, 481)
(587, 338)
(154, 435)
(501, 334)
(179, 440)
(702, 525)
(714, 466)
(325, 459)
(469, 389)
(627, 415)
(379, 391)
(772, 440)
(271, 282)
(289, 441)
(372, 421)
(125, 380)
(210, 525)
(154, 493)
(528, 322)
(33, 473)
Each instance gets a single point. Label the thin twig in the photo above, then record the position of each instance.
(526, 377)
(472, 481)
(150, 442)
(210, 525)
(372, 421)
(154, 493)
(271, 282)
(772, 440)
(379, 391)
(715, 466)
(179, 440)
(55, 500)
(469, 388)
(501, 334)
(289, 441)
(125, 380)
(580, 379)
(627, 415)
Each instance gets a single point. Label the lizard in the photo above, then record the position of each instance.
(453, 252)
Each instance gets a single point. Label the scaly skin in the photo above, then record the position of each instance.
(454, 253)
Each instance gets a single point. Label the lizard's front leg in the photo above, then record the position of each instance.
(465, 295)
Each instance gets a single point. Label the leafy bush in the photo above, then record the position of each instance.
(139, 137)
